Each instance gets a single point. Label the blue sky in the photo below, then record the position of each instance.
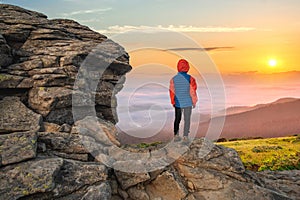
(100, 14)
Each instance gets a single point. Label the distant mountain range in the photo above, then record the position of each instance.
(276, 119)
(279, 118)
(241, 109)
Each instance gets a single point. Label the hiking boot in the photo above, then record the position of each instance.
(185, 139)
(177, 138)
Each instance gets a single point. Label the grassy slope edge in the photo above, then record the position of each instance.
(268, 154)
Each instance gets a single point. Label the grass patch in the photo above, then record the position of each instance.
(268, 154)
(260, 149)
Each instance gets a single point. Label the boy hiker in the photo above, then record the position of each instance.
(183, 96)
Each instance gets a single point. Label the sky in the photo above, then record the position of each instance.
(244, 35)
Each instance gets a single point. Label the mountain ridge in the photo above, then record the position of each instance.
(276, 119)
(240, 109)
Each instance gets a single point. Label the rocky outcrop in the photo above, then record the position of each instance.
(204, 171)
(285, 182)
(42, 59)
(58, 81)
(45, 71)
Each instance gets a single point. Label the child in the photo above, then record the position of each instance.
(183, 96)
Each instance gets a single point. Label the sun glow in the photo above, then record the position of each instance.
(272, 63)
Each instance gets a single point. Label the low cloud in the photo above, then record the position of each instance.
(200, 49)
(181, 28)
(91, 11)
(89, 20)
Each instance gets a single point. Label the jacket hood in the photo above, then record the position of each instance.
(183, 66)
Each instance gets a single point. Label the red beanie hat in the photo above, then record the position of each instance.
(183, 66)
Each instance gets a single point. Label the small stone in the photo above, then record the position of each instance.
(50, 127)
(190, 185)
(114, 186)
(102, 191)
(137, 194)
(41, 147)
(115, 197)
(65, 128)
(123, 193)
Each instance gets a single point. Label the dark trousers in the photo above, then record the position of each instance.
(187, 120)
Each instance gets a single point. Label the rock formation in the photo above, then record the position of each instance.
(47, 153)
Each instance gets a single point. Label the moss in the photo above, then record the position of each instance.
(25, 192)
(15, 138)
(4, 77)
(42, 88)
(23, 138)
(147, 145)
(28, 147)
(45, 186)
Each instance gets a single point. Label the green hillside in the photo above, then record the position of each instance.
(268, 154)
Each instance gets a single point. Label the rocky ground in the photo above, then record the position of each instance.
(47, 153)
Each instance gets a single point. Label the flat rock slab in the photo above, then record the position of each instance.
(62, 142)
(75, 175)
(17, 147)
(29, 178)
(129, 179)
(16, 117)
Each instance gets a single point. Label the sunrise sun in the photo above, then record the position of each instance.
(272, 63)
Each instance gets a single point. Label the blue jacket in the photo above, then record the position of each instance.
(183, 87)
(182, 90)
